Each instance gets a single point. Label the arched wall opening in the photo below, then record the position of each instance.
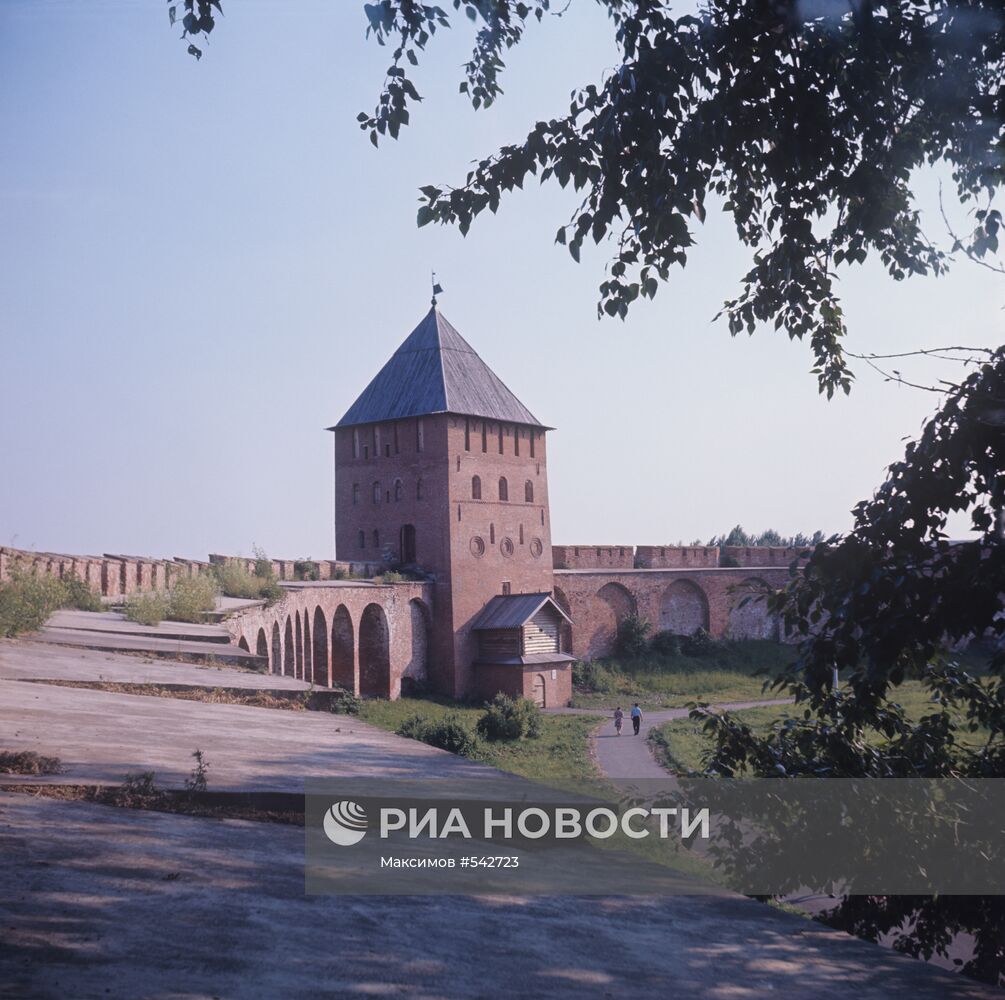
(289, 657)
(683, 608)
(374, 653)
(343, 649)
(749, 617)
(320, 649)
(262, 647)
(298, 650)
(416, 672)
(611, 605)
(276, 662)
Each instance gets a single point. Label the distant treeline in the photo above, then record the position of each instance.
(770, 537)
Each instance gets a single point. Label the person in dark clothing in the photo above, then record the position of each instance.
(636, 717)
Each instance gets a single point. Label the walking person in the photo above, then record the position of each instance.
(619, 718)
(636, 717)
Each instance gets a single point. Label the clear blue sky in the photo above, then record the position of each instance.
(202, 264)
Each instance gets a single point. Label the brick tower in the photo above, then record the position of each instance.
(440, 468)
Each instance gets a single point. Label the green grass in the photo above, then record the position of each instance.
(727, 673)
(681, 745)
(560, 755)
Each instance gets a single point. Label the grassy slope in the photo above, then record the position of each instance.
(560, 755)
(728, 674)
(681, 744)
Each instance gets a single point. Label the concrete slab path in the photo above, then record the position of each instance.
(629, 756)
(97, 902)
(22, 660)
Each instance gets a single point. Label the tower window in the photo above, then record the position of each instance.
(387, 450)
(485, 436)
(366, 451)
(503, 488)
(476, 487)
(376, 538)
(397, 446)
(458, 463)
(376, 492)
(397, 490)
(507, 587)
(516, 440)
(458, 512)
(500, 439)
(467, 434)
(521, 534)
(420, 437)
(533, 435)
(418, 489)
(362, 540)
(528, 491)
(355, 442)
(376, 441)
(492, 534)
(355, 494)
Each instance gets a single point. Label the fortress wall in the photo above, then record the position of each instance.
(762, 555)
(677, 601)
(676, 556)
(593, 556)
(114, 575)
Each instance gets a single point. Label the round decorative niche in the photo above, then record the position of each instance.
(477, 546)
(536, 547)
(506, 547)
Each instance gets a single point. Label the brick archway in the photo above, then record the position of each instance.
(289, 657)
(612, 604)
(343, 649)
(374, 653)
(319, 649)
(749, 617)
(683, 608)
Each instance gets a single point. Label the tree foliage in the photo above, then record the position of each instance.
(803, 121)
(889, 602)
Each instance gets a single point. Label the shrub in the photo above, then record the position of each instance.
(699, 643)
(80, 596)
(28, 762)
(27, 600)
(665, 644)
(236, 581)
(392, 576)
(191, 598)
(306, 569)
(341, 701)
(510, 719)
(448, 733)
(150, 608)
(197, 782)
(593, 676)
(632, 637)
(263, 564)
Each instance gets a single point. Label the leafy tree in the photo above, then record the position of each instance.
(737, 536)
(887, 603)
(803, 121)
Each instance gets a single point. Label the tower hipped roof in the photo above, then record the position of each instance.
(436, 370)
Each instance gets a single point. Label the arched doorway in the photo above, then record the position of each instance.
(320, 649)
(683, 608)
(343, 649)
(408, 544)
(262, 648)
(374, 653)
(276, 664)
(243, 644)
(415, 674)
(289, 657)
